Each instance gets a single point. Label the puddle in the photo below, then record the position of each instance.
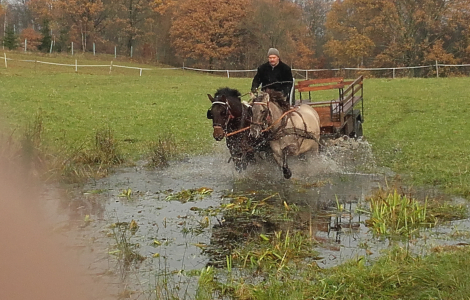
(171, 235)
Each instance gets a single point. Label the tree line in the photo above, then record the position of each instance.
(234, 34)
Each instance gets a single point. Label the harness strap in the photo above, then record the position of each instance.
(280, 119)
(237, 131)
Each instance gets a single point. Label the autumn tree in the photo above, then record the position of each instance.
(359, 30)
(271, 23)
(132, 18)
(208, 31)
(84, 18)
(314, 16)
(32, 37)
(41, 10)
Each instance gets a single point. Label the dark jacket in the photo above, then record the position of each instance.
(267, 75)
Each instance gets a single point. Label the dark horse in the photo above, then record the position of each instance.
(231, 119)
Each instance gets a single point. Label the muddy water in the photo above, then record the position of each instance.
(172, 234)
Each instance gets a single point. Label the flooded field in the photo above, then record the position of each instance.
(171, 224)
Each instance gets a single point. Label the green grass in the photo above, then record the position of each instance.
(149, 116)
(418, 127)
(396, 275)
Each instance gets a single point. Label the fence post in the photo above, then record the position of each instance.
(76, 66)
(228, 74)
(93, 49)
(50, 51)
(437, 70)
(110, 67)
(25, 44)
(393, 73)
(306, 74)
(5, 56)
(114, 52)
(140, 71)
(72, 48)
(132, 49)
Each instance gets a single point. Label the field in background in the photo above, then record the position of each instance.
(418, 127)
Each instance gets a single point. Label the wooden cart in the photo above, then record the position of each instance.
(341, 116)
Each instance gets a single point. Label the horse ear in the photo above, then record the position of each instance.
(210, 97)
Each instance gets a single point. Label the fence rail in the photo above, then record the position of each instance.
(300, 72)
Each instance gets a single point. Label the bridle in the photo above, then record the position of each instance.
(266, 114)
(228, 112)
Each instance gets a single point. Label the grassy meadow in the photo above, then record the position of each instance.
(417, 127)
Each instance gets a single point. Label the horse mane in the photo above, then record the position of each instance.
(228, 92)
(279, 98)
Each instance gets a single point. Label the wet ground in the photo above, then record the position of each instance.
(171, 234)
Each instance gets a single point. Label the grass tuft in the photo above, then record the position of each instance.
(162, 151)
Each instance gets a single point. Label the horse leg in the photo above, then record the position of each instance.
(285, 168)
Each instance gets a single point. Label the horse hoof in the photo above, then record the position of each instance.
(287, 173)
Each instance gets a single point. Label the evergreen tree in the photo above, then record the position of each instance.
(46, 37)
(11, 39)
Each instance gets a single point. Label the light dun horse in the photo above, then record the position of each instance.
(292, 132)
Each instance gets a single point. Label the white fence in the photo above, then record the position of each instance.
(302, 72)
(76, 65)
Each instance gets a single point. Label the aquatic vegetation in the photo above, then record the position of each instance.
(162, 151)
(125, 250)
(392, 213)
(188, 195)
(396, 214)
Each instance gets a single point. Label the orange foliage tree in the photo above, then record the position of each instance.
(358, 29)
(279, 24)
(32, 37)
(206, 30)
(85, 18)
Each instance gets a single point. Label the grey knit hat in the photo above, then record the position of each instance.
(273, 51)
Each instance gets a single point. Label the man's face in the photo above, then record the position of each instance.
(273, 60)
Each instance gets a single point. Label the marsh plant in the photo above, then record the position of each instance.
(161, 151)
(396, 214)
(94, 162)
(276, 251)
(106, 150)
(124, 249)
(31, 149)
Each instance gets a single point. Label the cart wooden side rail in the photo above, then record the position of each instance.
(338, 116)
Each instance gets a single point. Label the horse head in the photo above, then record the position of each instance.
(220, 115)
(260, 115)
(225, 108)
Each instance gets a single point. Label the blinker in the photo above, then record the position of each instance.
(209, 114)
